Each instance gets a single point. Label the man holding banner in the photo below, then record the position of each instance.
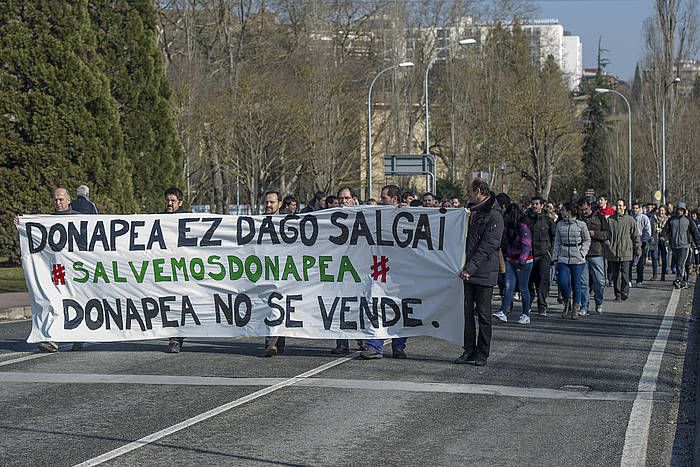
(480, 273)
(173, 205)
(375, 347)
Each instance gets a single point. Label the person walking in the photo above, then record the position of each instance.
(644, 228)
(625, 245)
(680, 232)
(543, 229)
(516, 246)
(660, 219)
(571, 244)
(594, 272)
(480, 271)
(695, 217)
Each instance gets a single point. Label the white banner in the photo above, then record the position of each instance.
(347, 273)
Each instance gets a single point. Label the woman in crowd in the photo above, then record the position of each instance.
(659, 221)
(571, 244)
(517, 252)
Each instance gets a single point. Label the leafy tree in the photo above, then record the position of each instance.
(59, 123)
(134, 65)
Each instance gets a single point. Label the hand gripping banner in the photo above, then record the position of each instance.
(348, 273)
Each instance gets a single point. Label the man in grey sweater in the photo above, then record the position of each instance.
(680, 233)
(625, 245)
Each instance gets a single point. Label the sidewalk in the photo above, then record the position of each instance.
(14, 305)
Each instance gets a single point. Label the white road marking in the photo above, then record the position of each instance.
(23, 359)
(146, 440)
(372, 385)
(12, 321)
(634, 452)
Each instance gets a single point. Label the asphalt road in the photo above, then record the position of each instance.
(556, 392)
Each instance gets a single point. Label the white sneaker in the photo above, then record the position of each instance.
(599, 309)
(524, 319)
(501, 316)
(583, 312)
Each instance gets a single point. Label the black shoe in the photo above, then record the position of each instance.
(270, 352)
(361, 345)
(623, 297)
(617, 299)
(480, 361)
(398, 353)
(77, 346)
(466, 357)
(340, 351)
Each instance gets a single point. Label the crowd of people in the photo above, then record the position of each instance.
(585, 245)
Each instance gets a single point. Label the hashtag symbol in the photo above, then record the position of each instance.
(380, 268)
(58, 274)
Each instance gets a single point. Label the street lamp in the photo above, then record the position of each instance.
(425, 90)
(629, 140)
(676, 80)
(369, 123)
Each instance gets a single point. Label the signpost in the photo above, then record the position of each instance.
(411, 164)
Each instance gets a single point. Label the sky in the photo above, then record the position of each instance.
(618, 22)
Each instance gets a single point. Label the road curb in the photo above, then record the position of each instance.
(694, 315)
(20, 312)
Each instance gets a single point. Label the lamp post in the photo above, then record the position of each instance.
(425, 90)
(629, 140)
(663, 138)
(369, 123)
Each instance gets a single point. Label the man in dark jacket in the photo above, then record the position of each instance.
(480, 272)
(173, 205)
(82, 203)
(594, 274)
(543, 231)
(681, 233)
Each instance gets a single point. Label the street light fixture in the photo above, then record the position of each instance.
(369, 123)
(675, 80)
(425, 89)
(629, 140)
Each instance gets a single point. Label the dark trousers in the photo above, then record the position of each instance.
(539, 281)
(620, 276)
(663, 253)
(641, 263)
(477, 301)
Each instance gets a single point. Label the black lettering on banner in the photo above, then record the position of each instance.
(133, 235)
(232, 309)
(306, 239)
(407, 232)
(342, 237)
(93, 324)
(242, 239)
(441, 236)
(99, 235)
(278, 321)
(164, 309)
(132, 314)
(267, 227)
(344, 309)
(386, 302)
(62, 237)
(372, 313)
(150, 310)
(284, 229)
(73, 323)
(30, 238)
(77, 237)
(112, 314)
(378, 228)
(407, 311)
(183, 229)
(326, 316)
(206, 239)
(423, 232)
(360, 228)
(188, 309)
(289, 322)
(156, 236)
(117, 228)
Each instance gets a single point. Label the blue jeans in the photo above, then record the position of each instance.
(377, 344)
(570, 278)
(521, 276)
(595, 271)
(654, 255)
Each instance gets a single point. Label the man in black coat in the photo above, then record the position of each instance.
(82, 203)
(173, 205)
(480, 272)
